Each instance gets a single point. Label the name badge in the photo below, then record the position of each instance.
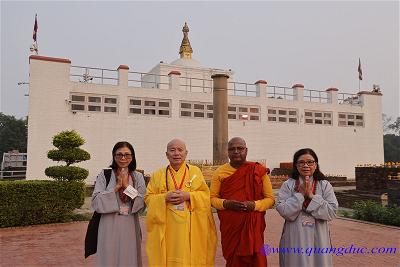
(307, 220)
(123, 209)
(180, 207)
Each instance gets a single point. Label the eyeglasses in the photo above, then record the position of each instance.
(120, 156)
(239, 149)
(303, 163)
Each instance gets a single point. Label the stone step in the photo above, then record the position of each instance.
(343, 183)
(336, 178)
(348, 197)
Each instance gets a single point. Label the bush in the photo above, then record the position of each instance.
(37, 202)
(67, 143)
(70, 155)
(67, 139)
(66, 173)
(375, 212)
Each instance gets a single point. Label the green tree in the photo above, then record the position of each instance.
(391, 145)
(13, 134)
(391, 139)
(395, 126)
(67, 144)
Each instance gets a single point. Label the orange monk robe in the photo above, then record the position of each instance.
(180, 237)
(242, 233)
(227, 170)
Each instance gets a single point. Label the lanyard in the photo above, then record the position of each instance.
(173, 178)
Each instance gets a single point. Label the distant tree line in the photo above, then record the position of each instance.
(14, 135)
(391, 139)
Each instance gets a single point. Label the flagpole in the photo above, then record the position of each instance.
(359, 74)
(37, 47)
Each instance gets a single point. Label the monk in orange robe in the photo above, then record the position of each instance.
(241, 191)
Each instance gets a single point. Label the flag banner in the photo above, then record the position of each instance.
(35, 28)
(359, 70)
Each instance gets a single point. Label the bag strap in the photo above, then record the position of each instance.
(107, 174)
(93, 226)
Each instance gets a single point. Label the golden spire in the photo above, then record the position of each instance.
(186, 49)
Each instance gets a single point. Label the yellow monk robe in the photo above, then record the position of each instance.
(227, 170)
(180, 237)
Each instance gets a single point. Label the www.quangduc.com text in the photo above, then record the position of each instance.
(338, 251)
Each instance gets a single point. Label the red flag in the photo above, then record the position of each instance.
(35, 28)
(359, 70)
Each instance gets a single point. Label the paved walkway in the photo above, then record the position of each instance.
(62, 244)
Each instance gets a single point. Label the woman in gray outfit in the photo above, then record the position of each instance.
(119, 234)
(307, 202)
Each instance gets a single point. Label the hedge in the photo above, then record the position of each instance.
(38, 202)
(375, 212)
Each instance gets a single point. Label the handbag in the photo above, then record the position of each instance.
(93, 226)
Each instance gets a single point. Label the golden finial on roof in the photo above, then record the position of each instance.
(186, 49)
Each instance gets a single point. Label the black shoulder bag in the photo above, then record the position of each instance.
(93, 226)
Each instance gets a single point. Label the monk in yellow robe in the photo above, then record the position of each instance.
(241, 192)
(180, 226)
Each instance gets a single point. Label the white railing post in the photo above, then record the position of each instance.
(298, 92)
(332, 95)
(261, 88)
(174, 82)
(122, 75)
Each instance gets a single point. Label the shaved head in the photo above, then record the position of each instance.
(176, 142)
(237, 140)
(237, 151)
(176, 153)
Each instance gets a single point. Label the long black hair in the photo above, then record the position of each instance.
(132, 165)
(318, 175)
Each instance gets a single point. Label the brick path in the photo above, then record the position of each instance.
(62, 244)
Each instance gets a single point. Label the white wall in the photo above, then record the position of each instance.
(339, 148)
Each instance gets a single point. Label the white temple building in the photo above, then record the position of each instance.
(175, 101)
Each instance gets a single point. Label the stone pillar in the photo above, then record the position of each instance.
(298, 91)
(123, 75)
(332, 95)
(261, 88)
(220, 118)
(174, 76)
(371, 103)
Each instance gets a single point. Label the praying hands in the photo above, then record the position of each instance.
(122, 179)
(238, 205)
(306, 188)
(177, 197)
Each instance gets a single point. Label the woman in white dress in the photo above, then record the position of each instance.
(307, 202)
(119, 234)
